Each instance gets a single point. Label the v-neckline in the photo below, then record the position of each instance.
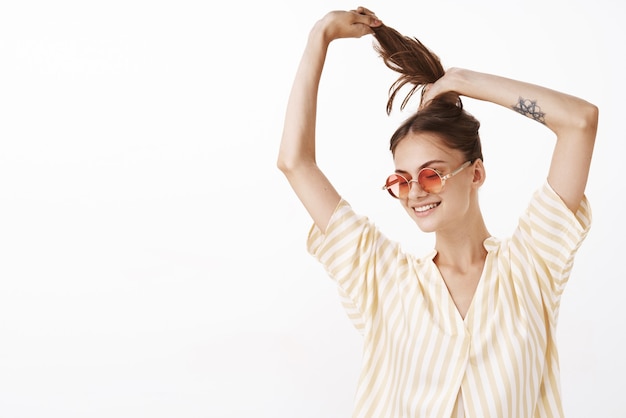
(451, 305)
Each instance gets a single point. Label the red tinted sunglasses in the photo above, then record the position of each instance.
(429, 179)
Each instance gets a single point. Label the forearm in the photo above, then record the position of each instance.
(298, 139)
(573, 120)
(558, 111)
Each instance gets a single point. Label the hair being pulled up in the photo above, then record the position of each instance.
(444, 115)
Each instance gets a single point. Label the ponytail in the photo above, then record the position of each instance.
(444, 115)
(416, 64)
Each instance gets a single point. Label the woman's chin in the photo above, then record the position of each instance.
(425, 225)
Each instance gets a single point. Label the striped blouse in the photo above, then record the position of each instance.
(420, 357)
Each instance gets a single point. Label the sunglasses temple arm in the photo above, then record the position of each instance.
(457, 171)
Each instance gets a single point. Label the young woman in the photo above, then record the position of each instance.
(469, 329)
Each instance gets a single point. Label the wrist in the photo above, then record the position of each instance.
(457, 80)
(319, 34)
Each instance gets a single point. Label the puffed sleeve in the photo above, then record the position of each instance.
(358, 257)
(547, 239)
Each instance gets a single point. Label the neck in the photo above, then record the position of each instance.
(462, 247)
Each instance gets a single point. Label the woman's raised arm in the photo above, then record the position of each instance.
(573, 120)
(296, 158)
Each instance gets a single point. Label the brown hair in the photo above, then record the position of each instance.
(444, 115)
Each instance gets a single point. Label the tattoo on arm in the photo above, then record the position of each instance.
(530, 109)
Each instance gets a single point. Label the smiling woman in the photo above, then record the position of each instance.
(469, 328)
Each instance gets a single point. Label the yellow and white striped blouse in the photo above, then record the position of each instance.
(420, 358)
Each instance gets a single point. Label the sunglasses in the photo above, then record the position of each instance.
(429, 179)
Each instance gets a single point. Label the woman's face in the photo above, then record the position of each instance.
(447, 209)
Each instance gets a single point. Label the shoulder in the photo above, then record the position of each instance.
(547, 213)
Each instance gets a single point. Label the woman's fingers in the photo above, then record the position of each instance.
(364, 11)
(371, 19)
(426, 96)
(349, 24)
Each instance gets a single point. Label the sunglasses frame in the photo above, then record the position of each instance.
(442, 179)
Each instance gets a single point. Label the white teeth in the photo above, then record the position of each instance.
(427, 207)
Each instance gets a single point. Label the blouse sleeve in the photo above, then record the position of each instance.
(358, 257)
(547, 239)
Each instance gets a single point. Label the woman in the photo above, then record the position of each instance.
(469, 329)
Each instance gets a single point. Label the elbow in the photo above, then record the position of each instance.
(287, 164)
(294, 167)
(283, 164)
(292, 158)
(588, 119)
(592, 114)
(582, 120)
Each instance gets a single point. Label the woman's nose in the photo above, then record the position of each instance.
(415, 189)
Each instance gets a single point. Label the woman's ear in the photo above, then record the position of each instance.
(478, 172)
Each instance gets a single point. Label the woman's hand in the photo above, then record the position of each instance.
(347, 24)
(447, 84)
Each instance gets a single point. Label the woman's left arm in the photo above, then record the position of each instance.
(573, 120)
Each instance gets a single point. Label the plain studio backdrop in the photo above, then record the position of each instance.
(152, 256)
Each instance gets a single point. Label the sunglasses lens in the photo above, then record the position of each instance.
(429, 180)
(397, 186)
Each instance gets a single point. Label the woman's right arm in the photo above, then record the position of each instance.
(296, 158)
